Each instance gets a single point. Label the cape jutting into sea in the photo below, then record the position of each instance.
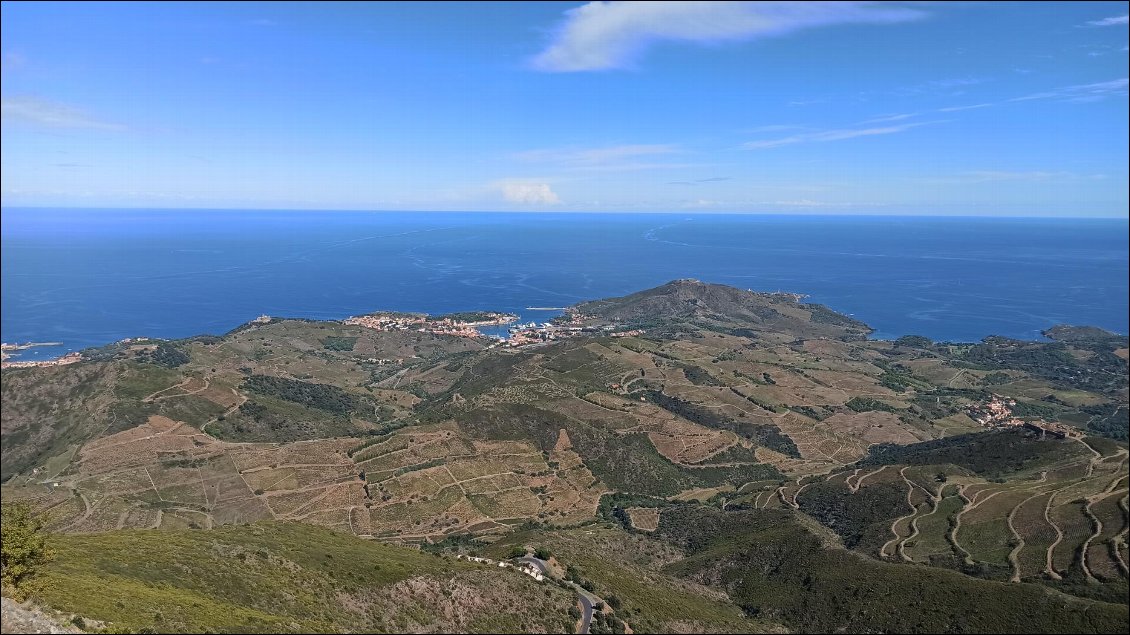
(87, 277)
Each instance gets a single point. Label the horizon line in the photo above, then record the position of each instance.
(690, 212)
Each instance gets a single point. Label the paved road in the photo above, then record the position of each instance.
(586, 617)
(585, 598)
(537, 562)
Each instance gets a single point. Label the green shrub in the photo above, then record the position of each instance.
(23, 545)
(338, 343)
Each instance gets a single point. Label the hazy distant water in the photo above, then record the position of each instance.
(89, 277)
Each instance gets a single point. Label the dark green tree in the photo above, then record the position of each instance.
(23, 546)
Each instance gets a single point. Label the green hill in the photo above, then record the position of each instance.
(287, 577)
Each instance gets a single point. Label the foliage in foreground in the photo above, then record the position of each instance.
(286, 577)
(23, 545)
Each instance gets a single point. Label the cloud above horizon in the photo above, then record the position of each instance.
(529, 194)
(832, 135)
(594, 156)
(1112, 21)
(48, 114)
(612, 35)
(1083, 92)
(983, 176)
(605, 158)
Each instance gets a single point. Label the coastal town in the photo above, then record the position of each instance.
(459, 325)
(998, 413)
(571, 324)
(8, 351)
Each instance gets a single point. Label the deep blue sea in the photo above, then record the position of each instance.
(90, 277)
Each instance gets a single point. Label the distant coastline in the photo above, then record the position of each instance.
(10, 351)
(398, 320)
(120, 273)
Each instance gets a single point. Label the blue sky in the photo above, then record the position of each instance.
(861, 108)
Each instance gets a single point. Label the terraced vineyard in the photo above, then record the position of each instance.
(1027, 529)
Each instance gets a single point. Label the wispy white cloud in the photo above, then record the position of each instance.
(889, 118)
(1031, 176)
(528, 193)
(713, 179)
(611, 35)
(595, 156)
(969, 107)
(48, 114)
(1083, 92)
(1113, 21)
(833, 135)
(950, 86)
(1080, 93)
(772, 128)
(606, 159)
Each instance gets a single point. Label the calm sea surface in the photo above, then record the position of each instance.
(90, 277)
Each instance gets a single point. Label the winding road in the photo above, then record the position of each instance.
(586, 613)
(584, 596)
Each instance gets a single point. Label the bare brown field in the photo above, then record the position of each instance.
(818, 442)
(164, 473)
(399, 398)
(673, 440)
(827, 348)
(875, 427)
(942, 373)
(791, 386)
(679, 440)
(594, 411)
(221, 395)
(787, 464)
(610, 401)
(853, 382)
(189, 386)
(701, 494)
(644, 518)
(477, 484)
